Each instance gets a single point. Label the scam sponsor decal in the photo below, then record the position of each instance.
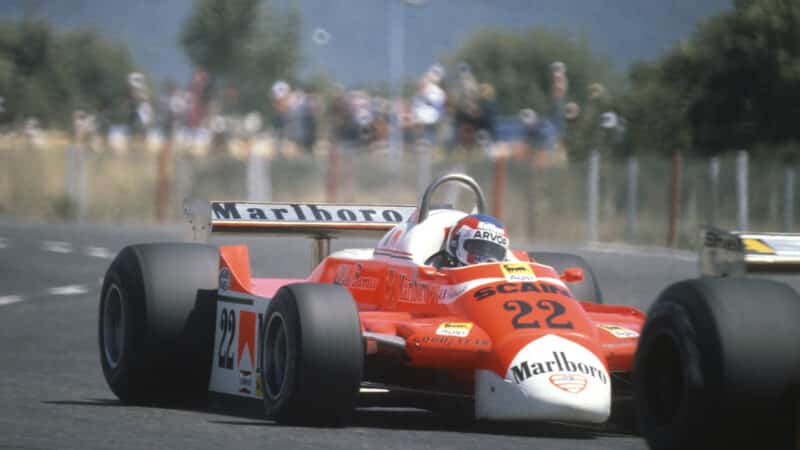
(517, 272)
(513, 288)
(309, 212)
(620, 332)
(457, 329)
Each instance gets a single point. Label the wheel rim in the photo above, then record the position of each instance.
(113, 326)
(664, 378)
(276, 356)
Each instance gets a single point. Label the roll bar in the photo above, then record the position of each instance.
(466, 180)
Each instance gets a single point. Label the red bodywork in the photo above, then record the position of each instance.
(450, 320)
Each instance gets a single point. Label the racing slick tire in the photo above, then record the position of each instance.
(587, 290)
(717, 365)
(156, 322)
(312, 355)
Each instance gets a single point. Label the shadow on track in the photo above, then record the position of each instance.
(408, 419)
(422, 420)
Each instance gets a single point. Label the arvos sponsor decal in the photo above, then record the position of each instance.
(513, 288)
(491, 237)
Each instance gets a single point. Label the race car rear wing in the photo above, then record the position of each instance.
(731, 253)
(318, 221)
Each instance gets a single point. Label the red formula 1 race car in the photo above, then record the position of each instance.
(520, 336)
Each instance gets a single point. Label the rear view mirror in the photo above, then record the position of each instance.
(572, 275)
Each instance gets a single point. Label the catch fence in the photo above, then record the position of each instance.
(638, 200)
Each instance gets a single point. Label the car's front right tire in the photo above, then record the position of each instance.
(718, 365)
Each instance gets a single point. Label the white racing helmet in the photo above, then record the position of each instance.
(476, 239)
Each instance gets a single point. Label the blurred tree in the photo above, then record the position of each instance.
(735, 84)
(217, 33)
(47, 74)
(244, 45)
(518, 65)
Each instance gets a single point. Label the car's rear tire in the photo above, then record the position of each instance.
(156, 321)
(587, 290)
(312, 355)
(717, 364)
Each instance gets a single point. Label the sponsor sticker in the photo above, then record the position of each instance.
(560, 364)
(517, 272)
(245, 381)
(308, 213)
(620, 332)
(224, 279)
(569, 382)
(456, 329)
(757, 246)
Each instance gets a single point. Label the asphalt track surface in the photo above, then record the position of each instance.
(53, 395)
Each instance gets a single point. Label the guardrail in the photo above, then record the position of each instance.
(644, 200)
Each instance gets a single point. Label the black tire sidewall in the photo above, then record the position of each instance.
(737, 341)
(281, 408)
(673, 321)
(326, 352)
(128, 374)
(166, 358)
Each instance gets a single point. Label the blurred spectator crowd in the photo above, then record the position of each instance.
(445, 112)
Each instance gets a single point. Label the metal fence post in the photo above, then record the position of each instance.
(424, 149)
(83, 193)
(254, 174)
(632, 198)
(75, 178)
(164, 166)
(788, 200)
(498, 190)
(741, 190)
(592, 195)
(713, 176)
(674, 200)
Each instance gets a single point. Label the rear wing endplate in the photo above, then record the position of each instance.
(732, 253)
(318, 221)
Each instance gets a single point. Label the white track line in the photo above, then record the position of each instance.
(99, 252)
(73, 289)
(57, 246)
(10, 299)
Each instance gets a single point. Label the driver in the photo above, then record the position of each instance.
(475, 239)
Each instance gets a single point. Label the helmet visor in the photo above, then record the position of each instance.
(484, 251)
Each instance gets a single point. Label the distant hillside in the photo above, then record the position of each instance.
(624, 30)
